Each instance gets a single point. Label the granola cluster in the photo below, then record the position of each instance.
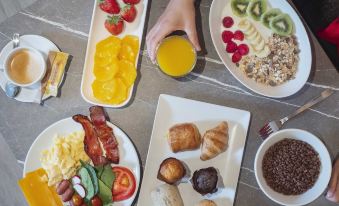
(278, 67)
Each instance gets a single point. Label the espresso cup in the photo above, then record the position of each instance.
(24, 66)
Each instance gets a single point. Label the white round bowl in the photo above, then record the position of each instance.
(325, 169)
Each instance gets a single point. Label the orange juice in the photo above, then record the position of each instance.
(176, 56)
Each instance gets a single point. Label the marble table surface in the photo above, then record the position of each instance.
(67, 24)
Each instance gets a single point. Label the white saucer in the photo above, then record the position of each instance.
(31, 94)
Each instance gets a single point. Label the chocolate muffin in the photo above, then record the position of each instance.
(205, 180)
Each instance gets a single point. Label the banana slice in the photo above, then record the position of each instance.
(253, 36)
(250, 31)
(263, 53)
(244, 25)
(257, 39)
(260, 46)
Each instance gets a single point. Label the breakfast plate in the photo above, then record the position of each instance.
(42, 44)
(320, 184)
(97, 34)
(294, 82)
(172, 110)
(128, 153)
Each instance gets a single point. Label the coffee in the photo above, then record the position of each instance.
(24, 67)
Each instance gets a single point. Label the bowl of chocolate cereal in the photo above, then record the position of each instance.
(292, 167)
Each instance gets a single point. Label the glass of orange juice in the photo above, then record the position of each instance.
(176, 56)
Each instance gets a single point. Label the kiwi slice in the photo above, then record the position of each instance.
(268, 16)
(239, 7)
(256, 8)
(282, 25)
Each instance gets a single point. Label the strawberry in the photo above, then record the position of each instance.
(109, 6)
(131, 1)
(114, 24)
(236, 57)
(231, 47)
(227, 36)
(129, 13)
(243, 49)
(238, 35)
(227, 22)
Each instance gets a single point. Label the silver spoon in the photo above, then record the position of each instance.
(12, 90)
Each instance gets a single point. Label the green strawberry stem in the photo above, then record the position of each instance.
(113, 19)
(127, 7)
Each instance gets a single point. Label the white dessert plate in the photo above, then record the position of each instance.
(128, 154)
(325, 169)
(172, 110)
(97, 33)
(33, 93)
(222, 8)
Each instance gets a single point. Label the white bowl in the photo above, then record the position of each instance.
(325, 169)
(221, 8)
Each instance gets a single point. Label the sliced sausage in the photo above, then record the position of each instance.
(67, 195)
(62, 187)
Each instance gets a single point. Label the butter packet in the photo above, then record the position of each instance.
(56, 65)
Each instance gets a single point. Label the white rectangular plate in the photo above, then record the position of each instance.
(172, 110)
(97, 33)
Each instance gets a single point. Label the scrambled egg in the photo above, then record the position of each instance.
(62, 160)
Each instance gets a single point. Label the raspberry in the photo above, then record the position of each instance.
(231, 47)
(228, 22)
(227, 36)
(236, 57)
(243, 49)
(238, 35)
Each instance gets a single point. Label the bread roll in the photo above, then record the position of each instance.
(183, 137)
(206, 203)
(166, 195)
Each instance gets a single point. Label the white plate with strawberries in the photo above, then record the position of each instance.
(234, 41)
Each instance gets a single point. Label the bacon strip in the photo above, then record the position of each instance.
(105, 134)
(91, 142)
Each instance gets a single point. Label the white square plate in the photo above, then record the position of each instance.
(172, 110)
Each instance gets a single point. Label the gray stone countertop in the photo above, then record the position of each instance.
(67, 24)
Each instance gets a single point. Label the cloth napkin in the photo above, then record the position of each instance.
(331, 33)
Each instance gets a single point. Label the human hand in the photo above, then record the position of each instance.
(333, 187)
(178, 15)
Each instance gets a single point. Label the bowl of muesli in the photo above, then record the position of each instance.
(263, 43)
(292, 167)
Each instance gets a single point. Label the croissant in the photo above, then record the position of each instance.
(214, 141)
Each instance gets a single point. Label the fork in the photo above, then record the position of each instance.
(274, 126)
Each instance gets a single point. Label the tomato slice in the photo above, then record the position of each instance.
(124, 184)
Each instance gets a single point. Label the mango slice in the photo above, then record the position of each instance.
(107, 72)
(113, 91)
(132, 41)
(127, 72)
